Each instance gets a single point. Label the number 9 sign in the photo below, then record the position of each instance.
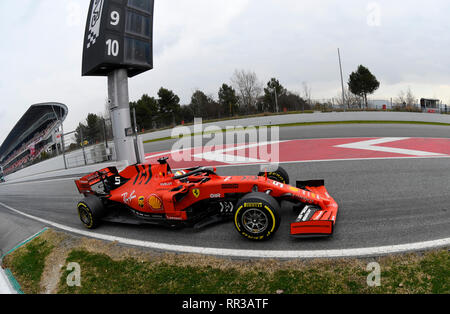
(115, 18)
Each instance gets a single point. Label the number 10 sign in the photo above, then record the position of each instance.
(119, 34)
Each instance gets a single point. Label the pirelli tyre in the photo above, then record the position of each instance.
(91, 211)
(280, 175)
(256, 217)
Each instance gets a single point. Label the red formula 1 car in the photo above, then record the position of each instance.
(198, 197)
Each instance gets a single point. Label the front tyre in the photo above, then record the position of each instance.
(257, 216)
(91, 211)
(279, 175)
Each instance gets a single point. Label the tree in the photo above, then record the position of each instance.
(306, 93)
(146, 112)
(351, 100)
(363, 82)
(228, 100)
(198, 104)
(204, 106)
(186, 114)
(168, 106)
(80, 132)
(405, 100)
(92, 130)
(272, 94)
(249, 88)
(410, 98)
(293, 102)
(400, 100)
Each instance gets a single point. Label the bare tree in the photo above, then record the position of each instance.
(400, 100)
(405, 98)
(352, 100)
(249, 88)
(410, 99)
(307, 92)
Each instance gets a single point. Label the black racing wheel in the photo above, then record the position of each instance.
(91, 211)
(257, 216)
(279, 175)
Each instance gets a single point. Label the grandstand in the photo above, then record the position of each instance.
(33, 134)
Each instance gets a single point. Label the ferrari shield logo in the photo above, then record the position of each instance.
(196, 193)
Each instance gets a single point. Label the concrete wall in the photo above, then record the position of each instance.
(315, 117)
(94, 154)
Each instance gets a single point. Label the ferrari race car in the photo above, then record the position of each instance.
(198, 197)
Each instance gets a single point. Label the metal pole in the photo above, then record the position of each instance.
(135, 123)
(82, 144)
(276, 100)
(104, 133)
(136, 148)
(56, 145)
(120, 115)
(63, 146)
(342, 79)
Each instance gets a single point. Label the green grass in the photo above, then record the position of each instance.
(310, 124)
(428, 273)
(27, 264)
(107, 268)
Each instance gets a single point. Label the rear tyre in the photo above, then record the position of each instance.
(91, 210)
(257, 216)
(280, 175)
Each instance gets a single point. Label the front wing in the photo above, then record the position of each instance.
(314, 221)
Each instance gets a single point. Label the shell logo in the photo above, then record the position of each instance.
(155, 202)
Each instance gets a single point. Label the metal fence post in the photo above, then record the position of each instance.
(82, 144)
(63, 146)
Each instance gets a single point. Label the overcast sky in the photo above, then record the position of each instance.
(199, 44)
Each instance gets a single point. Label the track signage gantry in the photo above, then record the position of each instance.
(118, 44)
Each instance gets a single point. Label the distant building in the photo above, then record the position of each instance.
(430, 105)
(36, 132)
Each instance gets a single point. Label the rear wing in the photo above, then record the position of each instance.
(84, 185)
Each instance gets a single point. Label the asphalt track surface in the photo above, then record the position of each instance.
(382, 202)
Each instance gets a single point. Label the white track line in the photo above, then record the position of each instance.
(362, 252)
(370, 145)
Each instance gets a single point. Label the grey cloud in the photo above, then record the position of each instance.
(200, 43)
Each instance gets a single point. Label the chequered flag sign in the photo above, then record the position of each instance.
(92, 38)
(95, 21)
